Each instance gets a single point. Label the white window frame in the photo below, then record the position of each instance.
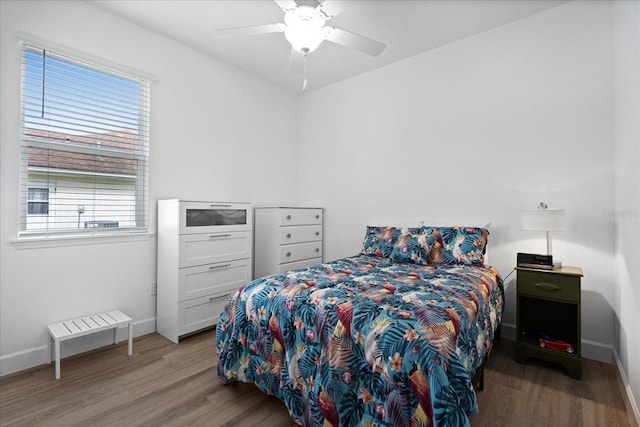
(141, 202)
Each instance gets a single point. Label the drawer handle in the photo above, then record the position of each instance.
(288, 235)
(288, 254)
(317, 216)
(219, 297)
(219, 206)
(216, 267)
(317, 249)
(317, 233)
(288, 216)
(219, 235)
(549, 287)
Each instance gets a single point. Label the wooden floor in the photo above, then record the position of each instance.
(164, 384)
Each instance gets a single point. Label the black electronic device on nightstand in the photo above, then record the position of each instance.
(544, 262)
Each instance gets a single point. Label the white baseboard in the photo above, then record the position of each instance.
(29, 358)
(627, 388)
(597, 351)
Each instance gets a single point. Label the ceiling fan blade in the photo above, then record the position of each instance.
(252, 30)
(296, 62)
(330, 8)
(286, 5)
(355, 41)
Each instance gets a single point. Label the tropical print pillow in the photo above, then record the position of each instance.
(411, 246)
(379, 241)
(457, 245)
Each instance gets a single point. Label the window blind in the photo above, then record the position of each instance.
(84, 156)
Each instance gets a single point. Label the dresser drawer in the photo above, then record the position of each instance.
(300, 251)
(550, 286)
(299, 264)
(200, 249)
(202, 280)
(298, 216)
(214, 217)
(201, 313)
(300, 233)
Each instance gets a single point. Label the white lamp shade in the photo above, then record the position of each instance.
(302, 40)
(305, 29)
(543, 219)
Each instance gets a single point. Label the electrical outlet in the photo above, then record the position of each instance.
(154, 288)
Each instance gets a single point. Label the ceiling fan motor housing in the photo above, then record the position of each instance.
(305, 29)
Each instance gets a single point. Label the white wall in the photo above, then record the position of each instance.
(626, 38)
(478, 130)
(212, 129)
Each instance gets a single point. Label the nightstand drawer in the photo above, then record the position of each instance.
(549, 285)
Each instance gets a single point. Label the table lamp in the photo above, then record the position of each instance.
(543, 219)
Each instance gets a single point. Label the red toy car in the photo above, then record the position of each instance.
(557, 345)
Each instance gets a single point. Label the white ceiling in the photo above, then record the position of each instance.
(408, 27)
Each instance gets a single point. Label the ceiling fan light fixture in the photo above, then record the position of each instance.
(305, 29)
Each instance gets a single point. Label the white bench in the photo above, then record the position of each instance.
(84, 326)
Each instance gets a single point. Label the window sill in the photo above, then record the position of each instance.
(37, 242)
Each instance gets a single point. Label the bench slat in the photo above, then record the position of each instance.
(99, 321)
(77, 325)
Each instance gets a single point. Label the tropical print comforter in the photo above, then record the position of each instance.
(364, 341)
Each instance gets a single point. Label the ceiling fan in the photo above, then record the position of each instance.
(304, 27)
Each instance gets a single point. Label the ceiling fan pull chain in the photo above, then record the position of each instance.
(304, 72)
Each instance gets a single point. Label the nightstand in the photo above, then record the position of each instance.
(548, 317)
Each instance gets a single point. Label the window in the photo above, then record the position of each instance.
(84, 147)
(38, 201)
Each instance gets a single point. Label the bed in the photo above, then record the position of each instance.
(392, 336)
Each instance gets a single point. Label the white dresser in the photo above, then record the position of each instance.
(286, 238)
(204, 255)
